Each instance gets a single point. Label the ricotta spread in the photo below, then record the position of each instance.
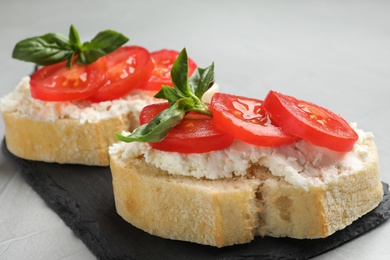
(21, 101)
(301, 163)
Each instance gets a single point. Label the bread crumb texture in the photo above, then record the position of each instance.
(67, 132)
(227, 211)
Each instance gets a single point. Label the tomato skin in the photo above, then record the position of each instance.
(162, 64)
(310, 122)
(247, 120)
(129, 67)
(58, 83)
(194, 134)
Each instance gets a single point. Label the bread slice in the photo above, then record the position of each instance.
(227, 211)
(65, 140)
(67, 132)
(70, 132)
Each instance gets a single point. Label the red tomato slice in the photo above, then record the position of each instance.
(311, 122)
(194, 134)
(163, 61)
(247, 120)
(58, 83)
(128, 67)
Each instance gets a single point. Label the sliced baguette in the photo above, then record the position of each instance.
(66, 132)
(65, 140)
(230, 211)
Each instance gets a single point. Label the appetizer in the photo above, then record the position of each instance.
(82, 93)
(222, 173)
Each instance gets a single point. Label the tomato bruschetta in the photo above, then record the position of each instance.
(69, 109)
(222, 173)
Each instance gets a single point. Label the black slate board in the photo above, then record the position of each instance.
(82, 196)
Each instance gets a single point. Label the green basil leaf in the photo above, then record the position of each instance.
(52, 48)
(158, 128)
(43, 50)
(102, 44)
(89, 56)
(108, 41)
(202, 108)
(179, 73)
(184, 97)
(74, 38)
(70, 60)
(168, 93)
(201, 80)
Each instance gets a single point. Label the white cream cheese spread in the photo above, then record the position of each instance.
(21, 101)
(300, 163)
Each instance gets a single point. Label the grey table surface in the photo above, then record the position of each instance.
(333, 53)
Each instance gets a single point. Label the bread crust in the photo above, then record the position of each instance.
(233, 211)
(64, 140)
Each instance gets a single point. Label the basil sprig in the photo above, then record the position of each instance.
(52, 48)
(185, 96)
